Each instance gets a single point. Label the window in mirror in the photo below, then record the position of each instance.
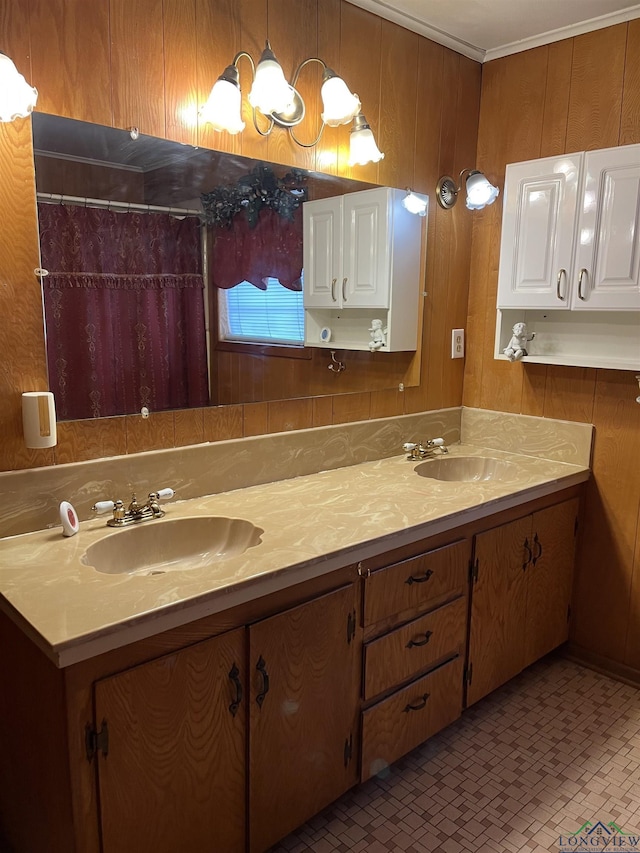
(271, 316)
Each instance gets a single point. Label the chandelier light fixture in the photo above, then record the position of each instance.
(282, 105)
(479, 191)
(17, 97)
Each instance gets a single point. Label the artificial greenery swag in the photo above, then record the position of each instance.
(261, 188)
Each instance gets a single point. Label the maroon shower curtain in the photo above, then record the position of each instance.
(124, 311)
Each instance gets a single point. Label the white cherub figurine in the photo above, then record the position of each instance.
(378, 335)
(518, 344)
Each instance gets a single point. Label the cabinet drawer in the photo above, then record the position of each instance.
(398, 655)
(407, 718)
(414, 582)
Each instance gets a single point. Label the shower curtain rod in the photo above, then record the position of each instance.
(59, 198)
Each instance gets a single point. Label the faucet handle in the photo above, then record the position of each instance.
(409, 446)
(435, 442)
(100, 507)
(165, 494)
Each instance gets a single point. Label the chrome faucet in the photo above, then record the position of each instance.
(423, 450)
(135, 512)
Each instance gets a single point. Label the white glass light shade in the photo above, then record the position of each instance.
(270, 92)
(416, 203)
(223, 108)
(362, 147)
(480, 192)
(340, 104)
(17, 97)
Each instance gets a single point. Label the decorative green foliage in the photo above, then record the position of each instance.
(259, 189)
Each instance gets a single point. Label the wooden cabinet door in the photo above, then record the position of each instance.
(367, 234)
(498, 603)
(304, 703)
(607, 268)
(549, 578)
(538, 224)
(174, 775)
(322, 253)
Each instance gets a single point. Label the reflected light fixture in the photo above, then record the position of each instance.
(415, 203)
(480, 192)
(281, 103)
(17, 97)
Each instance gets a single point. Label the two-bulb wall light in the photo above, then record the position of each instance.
(415, 203)
(280, 102)
(17, 97)
(479, 192)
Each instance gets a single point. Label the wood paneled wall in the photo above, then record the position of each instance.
(151, 64)
(575, 95)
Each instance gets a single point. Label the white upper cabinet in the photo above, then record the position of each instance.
(536, 254)
(362, 271)
(607, 264)
(571, 232)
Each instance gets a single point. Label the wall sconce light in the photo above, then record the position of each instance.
(480, 192)
(17, 97)
(415, 203)
(281, 103)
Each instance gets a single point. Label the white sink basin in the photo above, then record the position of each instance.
(468, 469)
(177, 544)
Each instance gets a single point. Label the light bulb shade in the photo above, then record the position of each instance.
(17, 97)
(480, 192)
(270, 92)
(415, 203)
(223, 109)
(340, 104)
(363, 148)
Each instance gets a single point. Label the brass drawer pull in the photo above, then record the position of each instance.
(411, 579)
(427, 637)
(417, 707)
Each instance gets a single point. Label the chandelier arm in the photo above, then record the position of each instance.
(255, 124)
(302, 65)
(307, 144)
(238, 57)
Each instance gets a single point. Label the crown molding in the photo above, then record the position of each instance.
(410, 22)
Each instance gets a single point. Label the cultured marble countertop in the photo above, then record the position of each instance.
(312, 525)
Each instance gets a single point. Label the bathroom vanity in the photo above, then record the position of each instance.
(219, 708)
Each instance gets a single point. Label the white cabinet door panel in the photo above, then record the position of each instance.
(607, 271)
(538, 228)
(322, 249)
(366, 243)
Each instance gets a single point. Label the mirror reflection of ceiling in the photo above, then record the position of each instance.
(182, 166)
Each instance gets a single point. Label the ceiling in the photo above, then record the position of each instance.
(488, 29)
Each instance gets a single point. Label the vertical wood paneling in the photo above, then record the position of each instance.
(604, 579)
(180, 71)
(90, 439)
(253, 19)
(397, 114)
(137, 65)
(630, 119)
(70, 42)
(360, 64)
(287, 415)
(556, 100)
(292, 28)
(569, 393)
(632, 652)
(329, 51)
(23, 363)
(596, 89)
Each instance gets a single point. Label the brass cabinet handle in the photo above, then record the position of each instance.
(417, 707)
(412, 643)
(344, 289)
(333, 290)
(583, 273)
(561, 273)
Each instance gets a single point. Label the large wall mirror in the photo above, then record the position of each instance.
(141, 308)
